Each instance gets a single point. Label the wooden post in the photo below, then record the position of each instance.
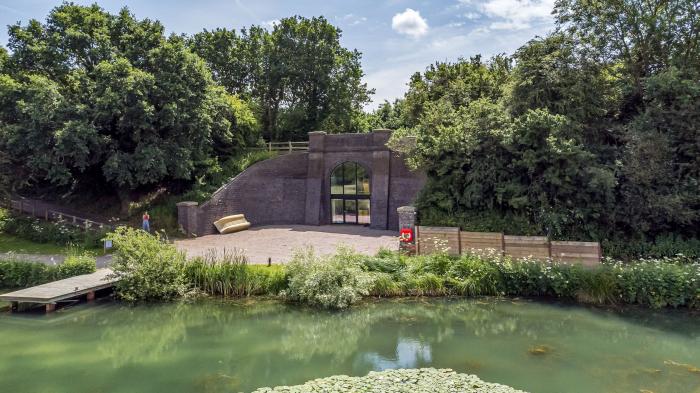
(91, 296)
(46, 214)
(290, 146)
(74, 219)
(50, 307)
(14, 306)
(20, 206)
(269, 146)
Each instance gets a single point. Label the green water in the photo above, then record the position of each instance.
(224, 346)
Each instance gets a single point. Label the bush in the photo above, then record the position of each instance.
(59, 232)
(15, 273)
(231, 275)
(147, 267)
(334, 282)
(655, 283)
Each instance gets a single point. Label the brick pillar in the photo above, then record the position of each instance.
(314, 179)
(187, 217)
(407, 220)
(381, 169)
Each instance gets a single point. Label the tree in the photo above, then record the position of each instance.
(298, 75)
(647, 36)
(101, 101)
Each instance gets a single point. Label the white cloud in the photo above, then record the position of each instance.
(410, 23)
(270, 23)
(517, 14)
(352, 19)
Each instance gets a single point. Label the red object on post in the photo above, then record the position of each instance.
(406, 235)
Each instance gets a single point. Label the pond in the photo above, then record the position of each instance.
(230, 346)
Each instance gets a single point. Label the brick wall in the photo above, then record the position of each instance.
(295, 188)
(269, 192)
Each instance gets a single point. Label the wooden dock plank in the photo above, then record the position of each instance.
(63, 289)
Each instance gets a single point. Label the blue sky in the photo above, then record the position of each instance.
(396, 37)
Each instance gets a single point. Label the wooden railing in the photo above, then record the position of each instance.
(45, 211)
(285, 147)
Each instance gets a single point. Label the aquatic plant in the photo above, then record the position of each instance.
(229, 274)
(424, 380)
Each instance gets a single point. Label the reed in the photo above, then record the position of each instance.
(230, 275)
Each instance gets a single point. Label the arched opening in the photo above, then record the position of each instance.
(350, 194)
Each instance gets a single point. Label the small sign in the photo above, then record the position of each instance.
(108, 244)
(406, 235)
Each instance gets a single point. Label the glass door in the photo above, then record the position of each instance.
(350, 194)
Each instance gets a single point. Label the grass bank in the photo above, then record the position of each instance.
(11, 243)
(153, 270)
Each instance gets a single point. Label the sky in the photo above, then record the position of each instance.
(396, 37)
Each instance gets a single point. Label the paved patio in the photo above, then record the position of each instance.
(279, 242)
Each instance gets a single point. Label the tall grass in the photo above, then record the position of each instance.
(230, 275)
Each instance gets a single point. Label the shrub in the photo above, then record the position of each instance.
(77, 264)
(472, 275)
(334, 282)
(147, 267)
(15, 273)
(59, 232)
(655, 283)
(230, 275)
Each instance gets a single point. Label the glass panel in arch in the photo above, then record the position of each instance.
(337, 181)
(362, 181)
(363, 211)
(350, 211)
(337, 211)
(349, 176)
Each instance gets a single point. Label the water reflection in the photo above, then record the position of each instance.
(219, 346)
(409, 354)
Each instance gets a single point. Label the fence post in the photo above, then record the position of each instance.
(290, 146)
(20, 206)
(46, 214)
(269, 146)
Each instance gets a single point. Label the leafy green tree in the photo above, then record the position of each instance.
(298, 75)
(661, 158)
(97, 100)
(646, 36)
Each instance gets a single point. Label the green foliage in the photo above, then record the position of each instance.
(16, 273)
(102, 100)
(147, 267)
(333, 282)
(59, 232)
(231, 275)
(298, 75)
(589, 133)
(656, 283)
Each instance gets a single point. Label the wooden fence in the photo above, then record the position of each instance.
(455, 242)
(48, 212)
(285, 147)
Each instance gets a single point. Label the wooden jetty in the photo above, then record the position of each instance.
(51, 293)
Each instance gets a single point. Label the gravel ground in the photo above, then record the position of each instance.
(279, 242)
(424, 380)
